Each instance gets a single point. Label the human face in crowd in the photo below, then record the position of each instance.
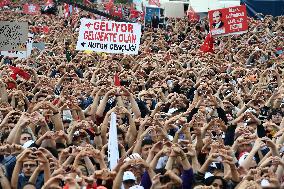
(29, 167)
(25, 137)
(277, 118)
(217, 184)
(128, 183)
(145, 151)
(216, 17)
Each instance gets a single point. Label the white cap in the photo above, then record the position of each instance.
(128, 175)
(207, 175)
(28, 143)
(242, 158)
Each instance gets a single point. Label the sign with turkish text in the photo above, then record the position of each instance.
(228, 21)
(13, 36)
(109, 36)
(21, 54)
(31, 8)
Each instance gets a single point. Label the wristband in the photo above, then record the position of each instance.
(98, 134)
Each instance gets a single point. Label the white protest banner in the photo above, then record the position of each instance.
(113, 154)
(13, 36)
(21, 54)
(109, 36)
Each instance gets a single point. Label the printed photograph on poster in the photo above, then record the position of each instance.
(13, 36)
(228, 21)
(150, 13)
(109, 36)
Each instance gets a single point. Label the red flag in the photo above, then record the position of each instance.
(48, 4)
(31, 8)
(66, 10)
(208, 44)
(192, 15)
(109, 6)
(18, 71)
(155, 2)
(116, 80)
(134, 13)
(86, 2)
(118, 12)
(4, 3)
(45, 29)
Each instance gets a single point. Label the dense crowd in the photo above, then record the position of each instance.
(185, 119)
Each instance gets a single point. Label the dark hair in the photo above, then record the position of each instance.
(147, 142)
(208, 181)
(120, 132)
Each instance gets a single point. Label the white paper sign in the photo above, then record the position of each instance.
(113, 153)
(109, 36)
(13, 35)
(21, 54)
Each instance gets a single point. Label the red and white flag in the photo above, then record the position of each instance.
(4, 3)
(31, 8)
(116, 80)
(48, 4)
(208, 44)
(118, 11)
(192, 15)
(109, 6)
(155, 2)
(133, 12)
(66, 10)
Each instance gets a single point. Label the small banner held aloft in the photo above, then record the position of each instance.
(109, 36)
(228, 21)
(31, 8)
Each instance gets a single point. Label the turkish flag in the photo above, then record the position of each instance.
(109, 6)
(192, 15)
(208, 44)
(116, 80)
(118, 12)
(4, 3)
(155, 2)
(48, 4)
(134, 13)
(31, 8)
(18, 71)
(66, 10)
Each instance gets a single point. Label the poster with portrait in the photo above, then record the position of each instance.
(150, 12)
(228, 21)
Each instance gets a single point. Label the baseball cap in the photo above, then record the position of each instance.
(242, 157)
(128, 175)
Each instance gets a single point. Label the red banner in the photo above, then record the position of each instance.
(228, 21)
(31, 8)
(4, 3)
